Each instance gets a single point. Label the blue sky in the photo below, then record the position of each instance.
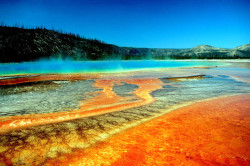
(138, 23)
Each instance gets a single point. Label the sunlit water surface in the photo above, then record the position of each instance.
(64, 66)
(36, 145)
(67, 95)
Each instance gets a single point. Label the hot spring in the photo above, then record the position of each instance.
(66, 66)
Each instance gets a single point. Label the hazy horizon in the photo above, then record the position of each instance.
(149, 24)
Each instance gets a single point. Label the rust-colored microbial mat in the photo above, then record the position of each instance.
(24, 79)
(106, 101)
(125, 119)
(215, 132)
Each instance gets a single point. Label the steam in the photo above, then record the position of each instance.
(69, 66)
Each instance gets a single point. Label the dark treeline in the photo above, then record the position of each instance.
(20, 44)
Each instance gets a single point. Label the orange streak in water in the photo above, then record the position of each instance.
(47, 77)
(101, 104)
(214, 132)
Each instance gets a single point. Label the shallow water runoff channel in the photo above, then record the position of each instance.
(56, 111)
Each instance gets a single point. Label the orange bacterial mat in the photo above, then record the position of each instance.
(215, 132)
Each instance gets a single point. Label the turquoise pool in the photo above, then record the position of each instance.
(60, 66)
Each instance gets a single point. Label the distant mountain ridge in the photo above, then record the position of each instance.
(19, 44)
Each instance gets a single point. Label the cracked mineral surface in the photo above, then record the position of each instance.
(72, 119)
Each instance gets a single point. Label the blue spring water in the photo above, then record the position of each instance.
(66, 66)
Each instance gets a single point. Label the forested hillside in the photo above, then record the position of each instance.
(18, 44)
